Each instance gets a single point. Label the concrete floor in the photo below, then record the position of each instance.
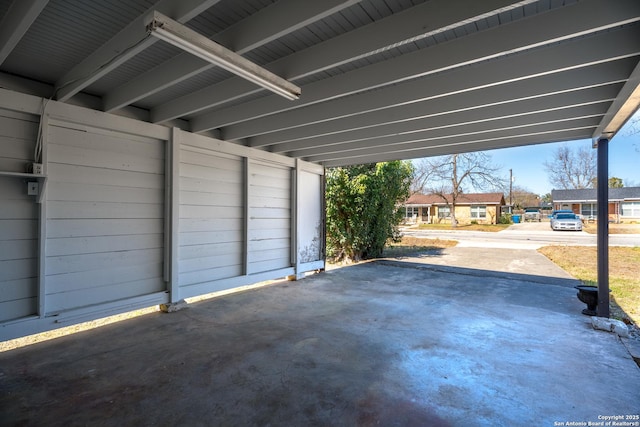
(384, 343)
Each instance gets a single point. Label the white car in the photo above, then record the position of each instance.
(554, 213)
(566, 221)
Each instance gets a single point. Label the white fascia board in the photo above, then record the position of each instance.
(561, 24)
(622, 109)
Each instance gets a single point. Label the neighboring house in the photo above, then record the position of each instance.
(432, 208)
(624, 203)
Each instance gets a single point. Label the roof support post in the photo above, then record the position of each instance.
(603, 227)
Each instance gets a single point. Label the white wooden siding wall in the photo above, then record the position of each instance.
(104, 240)
(211, 217)
(105, 209)
(18, 218)
(310, 226)
(269, 232)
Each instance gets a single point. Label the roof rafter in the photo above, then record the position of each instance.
(258, 29)
(379, 35)
(502, 141)
(562, 24)
(16, 22)
(580, 53)
(123, 46)
(483, 119)
(570, 86)
(590, 114)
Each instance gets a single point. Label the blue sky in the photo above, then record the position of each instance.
(528, 162)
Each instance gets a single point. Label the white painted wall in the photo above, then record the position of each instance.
(18, 218)
(211, 217)
(105, 217)
(311, 225)
(269, 217)
(136, 214)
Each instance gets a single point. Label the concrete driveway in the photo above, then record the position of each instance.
(390, 343)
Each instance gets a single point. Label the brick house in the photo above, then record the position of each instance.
(434, 209)
(624, 203)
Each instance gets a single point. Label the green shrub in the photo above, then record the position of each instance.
(364, 208)
(504, 219)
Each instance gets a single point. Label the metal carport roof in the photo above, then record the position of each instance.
(380, 79)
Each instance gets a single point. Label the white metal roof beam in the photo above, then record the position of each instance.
(625, 105)
(504, 115)
(470, 146)
(541, 90)
(543, 130)
(395, 29)
(123, 46)
(579, 116)
(560, 24)
(16, 22)
(258, 29)
(580, 53)
(539, 134)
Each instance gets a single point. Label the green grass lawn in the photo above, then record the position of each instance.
(409, 246)
(624, 274)
(592, 228)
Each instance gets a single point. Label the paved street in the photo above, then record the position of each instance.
(523, 236)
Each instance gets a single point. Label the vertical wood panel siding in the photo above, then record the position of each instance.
(269, 217)
(105, 209)
(211, 217)
(310, 228)
(18, 218)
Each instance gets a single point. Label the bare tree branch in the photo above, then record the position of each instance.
(572, 168)
(450, 176)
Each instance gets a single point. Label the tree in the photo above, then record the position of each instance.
(523, 198)
(450, 176)
(363, 208)
(572, 168)
(615, 182)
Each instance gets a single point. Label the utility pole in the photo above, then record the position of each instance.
(510, 190)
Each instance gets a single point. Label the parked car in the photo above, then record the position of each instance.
(554, 213)
(532, 214)
(566, 221)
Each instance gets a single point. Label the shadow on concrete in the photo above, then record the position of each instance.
(378, 343)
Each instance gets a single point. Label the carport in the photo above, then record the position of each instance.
(135, 170)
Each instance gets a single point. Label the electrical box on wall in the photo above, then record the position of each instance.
(33, 188)
(37, 168)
